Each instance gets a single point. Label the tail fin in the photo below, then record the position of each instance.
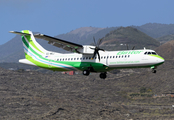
(30, 45)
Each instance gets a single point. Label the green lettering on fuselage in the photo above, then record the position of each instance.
(128, 52)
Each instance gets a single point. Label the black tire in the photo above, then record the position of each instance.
(86, 72)
(103, 75)
(153, 71)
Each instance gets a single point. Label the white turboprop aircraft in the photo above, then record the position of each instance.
(86, 58)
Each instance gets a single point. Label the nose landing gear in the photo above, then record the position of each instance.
(153, 69)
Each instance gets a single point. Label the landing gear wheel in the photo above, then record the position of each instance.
(86, 72)
(153, 71)
(103, 75)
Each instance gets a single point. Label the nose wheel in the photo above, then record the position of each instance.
(153, 70)
(103, 75)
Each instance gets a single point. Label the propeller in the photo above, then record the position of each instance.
(96, 49)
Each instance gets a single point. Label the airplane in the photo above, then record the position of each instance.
(86, 58)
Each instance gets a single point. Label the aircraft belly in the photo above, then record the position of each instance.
(132, 64)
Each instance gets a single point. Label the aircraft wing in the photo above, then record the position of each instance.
(69, 46)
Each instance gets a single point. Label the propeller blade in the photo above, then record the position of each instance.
(101, 49)
(94, 41)
(98, 55)
(95, 51)
(133, 47)
(99, 41)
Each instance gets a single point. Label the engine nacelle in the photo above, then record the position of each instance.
(87, 49)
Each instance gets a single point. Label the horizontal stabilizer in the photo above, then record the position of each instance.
(19, 33)
(25, 61)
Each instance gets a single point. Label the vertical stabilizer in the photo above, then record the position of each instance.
(31, 47)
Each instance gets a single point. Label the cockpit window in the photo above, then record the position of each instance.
(153, 53)
(149, 53)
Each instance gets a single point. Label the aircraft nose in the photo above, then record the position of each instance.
(160, 59)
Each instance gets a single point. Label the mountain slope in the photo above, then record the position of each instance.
(166, 50)
(165, 38)
(156, 30)
(85, 35)
(123, 36)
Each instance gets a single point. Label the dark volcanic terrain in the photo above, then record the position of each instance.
(34, 95)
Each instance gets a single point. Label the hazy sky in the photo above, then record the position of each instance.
(53, 17)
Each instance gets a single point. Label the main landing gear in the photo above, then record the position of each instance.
(86, 72)
(91, 69)
(102, 75)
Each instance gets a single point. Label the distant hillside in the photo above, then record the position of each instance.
(166, 38)
(156, 30)
(123, 36)
(166, 50)
(85, 35)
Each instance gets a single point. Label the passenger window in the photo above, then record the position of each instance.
(101, 57)
(110, 56)
(80, 58)
(113, 56)
(116, 57)
(95, 57)
(60, 59)
(89, 57)
(71, 58)
(104, 57)
(145, 53)
(122, 56)
(107, 56)
(74, 58)
(68, 58)
(125, 56)
(86, 57)
(57, 59)
(119, 56)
